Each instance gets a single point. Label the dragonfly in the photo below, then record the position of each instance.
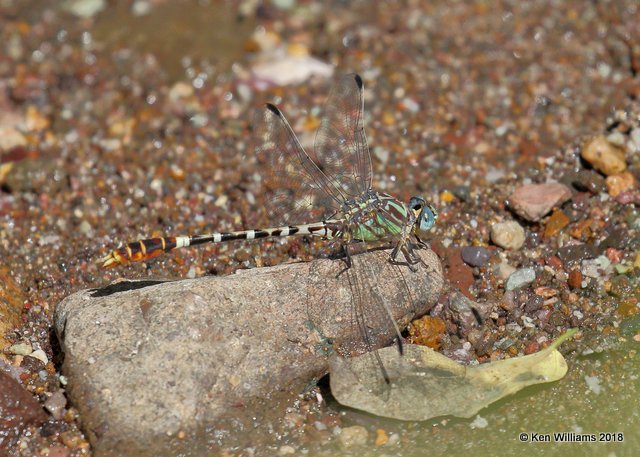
(331, 186)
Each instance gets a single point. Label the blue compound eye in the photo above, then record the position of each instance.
(428, 217)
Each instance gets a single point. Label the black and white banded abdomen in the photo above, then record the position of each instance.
(143, 250)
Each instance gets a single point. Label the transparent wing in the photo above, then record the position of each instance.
(297, 190)
(370, 312)
(374, 287)
(341, 150)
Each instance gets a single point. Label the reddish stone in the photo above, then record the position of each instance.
(533, 201)
(532, 348)
(18, 409)
(458, 273)
(630, 197)
(555, 263)
(546, 292)
(575, 279)
(614, 255)
(58, 451)
(581, 198)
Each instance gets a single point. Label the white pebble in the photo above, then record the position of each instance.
(594, 384)
(508, 235)
(40, 355)
(479, 422)
(21, 349)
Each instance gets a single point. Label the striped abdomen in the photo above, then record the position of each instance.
(142, 250)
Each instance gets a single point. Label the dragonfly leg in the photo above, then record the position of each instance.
(421, 244)
(411, 258)
(393, 258)
(412, 262)
(346, 257)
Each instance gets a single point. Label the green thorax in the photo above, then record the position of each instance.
(380, 217)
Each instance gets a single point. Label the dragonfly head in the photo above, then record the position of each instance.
(424, 212)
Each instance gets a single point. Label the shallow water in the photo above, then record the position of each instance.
(606, 408)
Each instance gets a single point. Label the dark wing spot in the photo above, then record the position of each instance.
(358, 81)
(274, 109)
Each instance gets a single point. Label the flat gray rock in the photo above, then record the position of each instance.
(155, 367)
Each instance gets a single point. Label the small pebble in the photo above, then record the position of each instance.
(531, 348)
(520, 278)
(556, 222)
(475, 256)
(616, 184)
(534, 201)
(533, 304)
(73, 439)
(616, 138)
(353, 436)
(604, 156)
(141, 8)
(411, 105)
(587, 180)
(462, 308)
(614, 255)
(631, 197)
(594, 384)
(35, 120)
(286, 450)
(479, 422)
(427, 331)
(58, 451)
(508, 235)
(508, 301)
(381, 437)
(462, 193)
(291, 69)
(577, 252)
(555, 262)
(394, 438)
(85, 228)
(575, 279)
(85, 8)
(381, 153)
(546, 292)
(635, 138)
(242, 255)
(595, 268)
(221, 201)
(40, 355)
(504, 270)
(180, 90)
(447, 197)
(21, 349)
(494, 174)
(11, 138)
(55, 404)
